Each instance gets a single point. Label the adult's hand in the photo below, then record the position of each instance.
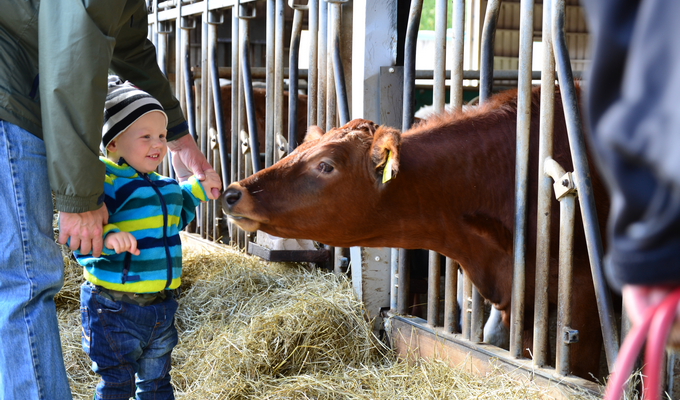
(188, 160)
(84, 230)
(638, 299)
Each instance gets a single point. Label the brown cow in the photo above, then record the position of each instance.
(452, 192)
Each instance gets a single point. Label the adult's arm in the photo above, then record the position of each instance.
(74, 51)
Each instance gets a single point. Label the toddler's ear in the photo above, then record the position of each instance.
(111, 147)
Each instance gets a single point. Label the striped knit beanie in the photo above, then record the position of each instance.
(124, 105)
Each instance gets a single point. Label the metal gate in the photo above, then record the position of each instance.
(352, 55)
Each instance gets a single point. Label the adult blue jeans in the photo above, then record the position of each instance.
(31, 273)
(129, 345)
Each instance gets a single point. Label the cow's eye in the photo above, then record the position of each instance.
(324, 167)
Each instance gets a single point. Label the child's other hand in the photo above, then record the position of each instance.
(120, 242)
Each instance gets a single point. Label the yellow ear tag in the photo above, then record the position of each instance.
(387, 172)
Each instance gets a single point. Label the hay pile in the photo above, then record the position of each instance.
(255, 330)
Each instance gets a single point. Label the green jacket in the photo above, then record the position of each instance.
(54, 63)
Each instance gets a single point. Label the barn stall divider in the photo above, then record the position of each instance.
(354, 73)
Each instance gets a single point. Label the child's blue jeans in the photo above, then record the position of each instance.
(129, 345)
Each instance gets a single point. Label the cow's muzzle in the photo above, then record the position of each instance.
(230, 197)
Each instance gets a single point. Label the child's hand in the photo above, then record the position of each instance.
(212, 185)
(120, 242)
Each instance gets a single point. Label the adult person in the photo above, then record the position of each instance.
(634, 117)
(54, 61)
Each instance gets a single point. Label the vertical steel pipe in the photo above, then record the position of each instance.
(235, 140)
(526, 26)
(465, 307)
(270, 82)
(179, 87)
(451, 309)
(187, 24)
(331, 99)
(567, 216)
(278, 70)
(248, 13)
(312, 74)
(493, 8)
(394, 278)
(485, 90)
(439, 101)
(215, 20)
(202, 219)
(457, 44)
(433, 280)
(404, 282)
(322, 64)
(439, 85)
(293, 74)
(407, 118)
(584, 184)
(235, 231)
(410, 64)
(543, 217)
(338, 70)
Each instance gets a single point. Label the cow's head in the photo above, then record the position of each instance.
(331, 182)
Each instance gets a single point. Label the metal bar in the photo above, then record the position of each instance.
(210, 115)
(179, 87)
(403, 282)
(521, 176)
(456, 72)
(433, 280)
(203, 133)
(477, 317)
(567, 217)
(421, 74)
(451, 309)
(465, 307)
(331, 99)
(543, 218)
(394, 277)
(322, 64)
(235, 115)
(410, 63)
(217, 101)
(486, 59)
(248, 87)
(583, 184)
(313, 26)
(438, 88)
(278, 72)
(439, 100)
(294, 56)
(485, 90)
(338, 70)
(271, 79)
(188, 80)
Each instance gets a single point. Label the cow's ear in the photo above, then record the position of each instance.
(314, 132)
(385, 152)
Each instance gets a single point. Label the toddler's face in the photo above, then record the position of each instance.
(143, 145)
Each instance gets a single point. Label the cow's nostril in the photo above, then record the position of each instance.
(232, 196)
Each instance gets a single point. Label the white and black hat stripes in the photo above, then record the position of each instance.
(125, 103)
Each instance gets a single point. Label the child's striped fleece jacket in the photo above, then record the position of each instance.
(153, 209)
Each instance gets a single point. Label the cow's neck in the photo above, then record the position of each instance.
(460, 218)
